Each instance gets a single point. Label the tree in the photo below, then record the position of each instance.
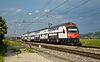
(3, 29)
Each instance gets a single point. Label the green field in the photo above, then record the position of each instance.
(90, 42)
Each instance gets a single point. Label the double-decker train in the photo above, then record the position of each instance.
(63, 33)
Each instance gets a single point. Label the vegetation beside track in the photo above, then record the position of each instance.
(13, 43)
(3, 31)
(90, 42)
(4, 46)
(7, 43)
(84, 42)
(30, 51)
(3, 49)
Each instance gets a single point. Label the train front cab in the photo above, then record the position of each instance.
(72, 34)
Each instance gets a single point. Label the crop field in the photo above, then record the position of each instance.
(90, 42)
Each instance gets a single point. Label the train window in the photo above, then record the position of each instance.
(63, 31)
(32, 35)
(72, 29)
(54, 28)
(41, 35)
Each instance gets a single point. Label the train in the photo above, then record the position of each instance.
(67, 33)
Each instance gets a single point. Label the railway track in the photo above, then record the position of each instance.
(75, 46)
(47, 53)
(81, 53)
(90, 47)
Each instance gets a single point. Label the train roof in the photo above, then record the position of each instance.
(39, 30)
(63, 24)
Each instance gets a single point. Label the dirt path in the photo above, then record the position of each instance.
(10, 56)
(26, 57)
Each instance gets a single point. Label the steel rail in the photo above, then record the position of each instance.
(81, 53)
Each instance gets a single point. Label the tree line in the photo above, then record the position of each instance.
(3, 29)
(91, 35)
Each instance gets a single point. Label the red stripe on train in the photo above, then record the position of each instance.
(57, 38)
(48, 38)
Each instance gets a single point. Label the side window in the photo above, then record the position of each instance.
(63, 31)
(41, 35)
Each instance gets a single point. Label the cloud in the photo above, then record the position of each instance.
(30, 13)
(19, 10)
(5, 11)
(47, 10)
(55, 17)
(38, 18)
(58, 16)
(37, 11)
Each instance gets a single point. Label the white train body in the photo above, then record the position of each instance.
(59, 33)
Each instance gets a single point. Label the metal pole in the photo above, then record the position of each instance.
(48, 21)
(20, 30)
(49, 24)
(15, 30)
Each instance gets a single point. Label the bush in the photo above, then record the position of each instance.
(3, 49)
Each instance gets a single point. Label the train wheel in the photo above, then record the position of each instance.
(62, 42)
(75, 44)
(72, 44)
(58, 43)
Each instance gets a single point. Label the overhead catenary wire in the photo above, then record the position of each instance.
(63, 4)
(59, 5)
(56, 7)
(84, 2)
(46, 4)
(45, 14)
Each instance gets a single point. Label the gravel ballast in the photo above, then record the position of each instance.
(92, 50)
(69, 56)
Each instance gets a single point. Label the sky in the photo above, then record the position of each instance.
(84, 13)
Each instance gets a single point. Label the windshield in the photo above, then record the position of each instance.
(72, 29)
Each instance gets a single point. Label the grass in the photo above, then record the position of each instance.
(30, 51)
(3, 49)
(19, 40)
(8, 43)
(16, 50)
(15, 44)
(1, 58)
(90, 42)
